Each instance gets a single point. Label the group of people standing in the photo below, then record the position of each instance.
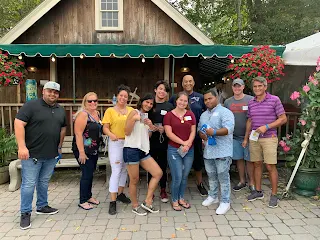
(189, 130)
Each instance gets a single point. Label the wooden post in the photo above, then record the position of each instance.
(74, 80)
(18, 93)
(53, 70)
(172, 75)
(166, 73)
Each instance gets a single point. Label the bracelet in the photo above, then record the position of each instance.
(214, 132)
(267, 126)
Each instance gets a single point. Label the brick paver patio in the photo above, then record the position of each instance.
(297, 219)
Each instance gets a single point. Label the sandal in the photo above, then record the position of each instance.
(93, 201)
(184, 204)
(85, 206)
(176, 207)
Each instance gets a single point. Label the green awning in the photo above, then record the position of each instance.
(129, 50)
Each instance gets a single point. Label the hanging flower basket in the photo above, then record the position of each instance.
(262, 61)
(12, 70)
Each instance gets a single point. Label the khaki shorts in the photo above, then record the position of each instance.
(264, 149)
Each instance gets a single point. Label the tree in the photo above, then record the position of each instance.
(260, 22)
(12, 11)
(216, 18)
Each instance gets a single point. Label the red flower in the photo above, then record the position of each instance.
(259, 74)
(230, 56)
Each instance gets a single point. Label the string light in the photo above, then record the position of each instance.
(143, 60)
(81, 56)
(20, 57)
(232, 60)
(53, 59)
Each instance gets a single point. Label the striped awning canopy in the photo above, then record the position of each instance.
(130, 50)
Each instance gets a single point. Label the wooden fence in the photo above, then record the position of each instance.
(8, 112)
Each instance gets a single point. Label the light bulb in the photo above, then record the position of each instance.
(143, 60)
(81, 56)
(53, 59)
(20, 57)
(232, 60)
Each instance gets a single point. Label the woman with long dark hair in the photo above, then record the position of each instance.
(114, 121)
(136, 153)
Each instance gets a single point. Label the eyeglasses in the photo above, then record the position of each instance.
(90, 101)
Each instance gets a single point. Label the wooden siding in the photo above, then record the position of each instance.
(73, 22)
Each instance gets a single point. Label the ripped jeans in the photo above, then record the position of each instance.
(218, 174)
(180, 169)
(119, 173)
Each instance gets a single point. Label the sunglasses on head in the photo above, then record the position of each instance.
(90, 101)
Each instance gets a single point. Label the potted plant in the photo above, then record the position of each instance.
(8, 147)
(12, 70)
(308, 176)
(262, 61)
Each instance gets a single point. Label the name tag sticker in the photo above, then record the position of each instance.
(187, 118)
(254, 136)
(215, 114)
(245, 108)
(163, 112)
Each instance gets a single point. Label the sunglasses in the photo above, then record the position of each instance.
(90, 101)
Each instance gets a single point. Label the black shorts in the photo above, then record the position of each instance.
(198, 162)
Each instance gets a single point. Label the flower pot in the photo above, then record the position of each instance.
(4, 174)
(307, 181)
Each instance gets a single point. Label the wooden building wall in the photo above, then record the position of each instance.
(104, 75)
(73, 22)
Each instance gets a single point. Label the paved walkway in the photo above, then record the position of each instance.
(294, 219)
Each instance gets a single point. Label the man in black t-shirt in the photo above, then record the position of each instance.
(159, 140)
(40, 127)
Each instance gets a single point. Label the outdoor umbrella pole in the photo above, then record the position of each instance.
(304, 146)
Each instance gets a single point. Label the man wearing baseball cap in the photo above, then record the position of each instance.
(238, 104)
(40, 127)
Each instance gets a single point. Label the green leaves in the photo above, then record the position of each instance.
(8, 146)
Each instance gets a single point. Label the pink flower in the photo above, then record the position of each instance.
(286, 148)
(318, 68)
(282, 143)
(295, 95)
(306, 88)
(303, 122)
(311, 78)
(315, 82)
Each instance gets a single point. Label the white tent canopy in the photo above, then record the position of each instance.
(303, 52)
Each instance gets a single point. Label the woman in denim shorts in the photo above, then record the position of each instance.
(136, 153)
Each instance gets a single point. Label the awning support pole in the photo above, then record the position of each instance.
(172, 76)
(74, 80)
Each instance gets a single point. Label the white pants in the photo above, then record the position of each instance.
(119, 173)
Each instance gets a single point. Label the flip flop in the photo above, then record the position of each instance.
(94, 203)
(87, 209)
(177, 208)
(185, 205)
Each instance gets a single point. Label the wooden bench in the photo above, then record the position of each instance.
(15, 166)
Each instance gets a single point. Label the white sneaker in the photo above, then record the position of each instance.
(223, 208)
(210, 200)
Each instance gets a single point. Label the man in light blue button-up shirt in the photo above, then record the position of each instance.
(218, 138)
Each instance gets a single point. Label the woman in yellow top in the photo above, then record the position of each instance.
(114, 121)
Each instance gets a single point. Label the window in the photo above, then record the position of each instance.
(109, 15)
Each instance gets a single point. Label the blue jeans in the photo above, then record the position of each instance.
(218, 173)
(35, 175)
(87, 170)
(180, 169)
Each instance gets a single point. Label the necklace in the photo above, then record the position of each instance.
(180, 116)
(121, 111)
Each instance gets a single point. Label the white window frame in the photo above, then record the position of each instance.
(98, 17)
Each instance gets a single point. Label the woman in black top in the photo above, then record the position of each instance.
(85, 146)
